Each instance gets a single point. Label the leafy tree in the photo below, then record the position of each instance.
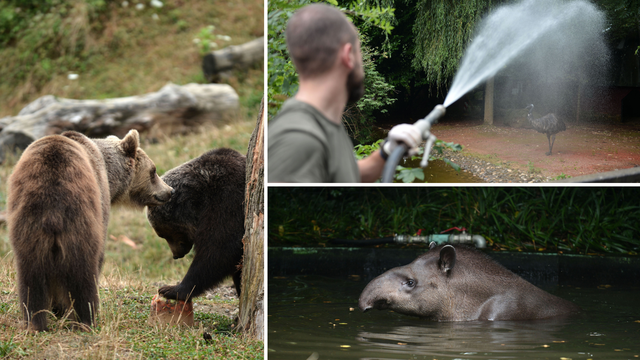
(378, 94)
(442, 31)
(283, 80)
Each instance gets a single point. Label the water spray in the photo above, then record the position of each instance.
(573, 29)
(424, 125)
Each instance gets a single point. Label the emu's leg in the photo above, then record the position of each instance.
(553, 141)
(550, 146)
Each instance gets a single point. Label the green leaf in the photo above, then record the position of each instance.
(452, 164)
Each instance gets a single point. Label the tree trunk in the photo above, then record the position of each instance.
(251, 315)
(218, 64)
(173, 109)
(488, 102)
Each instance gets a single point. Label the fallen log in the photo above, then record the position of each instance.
(218, 64)
(173, 109)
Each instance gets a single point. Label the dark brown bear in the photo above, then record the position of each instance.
(206, 212)
(60, 193)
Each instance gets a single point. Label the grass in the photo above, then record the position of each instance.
(532, 168)
(125, 52)
(561, 219)
(131, 54)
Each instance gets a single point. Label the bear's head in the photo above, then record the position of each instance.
(177, 220)
(133, 180)
(178, 236)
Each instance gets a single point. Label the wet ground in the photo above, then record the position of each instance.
(314, 317)
(491, 151)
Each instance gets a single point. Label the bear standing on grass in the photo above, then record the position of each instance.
(60, 193)
(207, 213)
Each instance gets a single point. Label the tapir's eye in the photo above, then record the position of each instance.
(410, 283)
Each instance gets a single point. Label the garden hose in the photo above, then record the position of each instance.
(389, 170)
(424, 125)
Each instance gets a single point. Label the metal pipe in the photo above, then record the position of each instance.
(439, 239)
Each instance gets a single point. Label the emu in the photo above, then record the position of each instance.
(548, 124)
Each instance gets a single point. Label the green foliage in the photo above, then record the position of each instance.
(430, 37)
(442, 30)
(556, 219)
(207, 40)
(362, 151)
(562, 176)
(43, 39)
(408, 175)
(405, 174)
(359, 118)
(283, 80)
(623, 17)
(6, 347)
(532, 168)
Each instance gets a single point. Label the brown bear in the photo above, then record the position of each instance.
(60, 193)
(206, 212)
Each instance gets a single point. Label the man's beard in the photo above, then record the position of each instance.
(355, 87)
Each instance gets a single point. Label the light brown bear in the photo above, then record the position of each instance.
(60, 194)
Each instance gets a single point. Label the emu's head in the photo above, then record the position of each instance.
(530, 109)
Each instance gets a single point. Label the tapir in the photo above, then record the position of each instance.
(459, 283)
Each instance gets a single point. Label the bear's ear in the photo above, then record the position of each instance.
(130, 143)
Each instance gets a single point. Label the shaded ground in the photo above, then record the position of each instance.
(580, 150)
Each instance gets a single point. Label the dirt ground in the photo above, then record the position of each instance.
(580, 150)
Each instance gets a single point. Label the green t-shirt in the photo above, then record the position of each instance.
(305, 146)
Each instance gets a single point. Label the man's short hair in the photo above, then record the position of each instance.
(314, 35)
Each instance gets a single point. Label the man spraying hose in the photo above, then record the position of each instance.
(307, 141)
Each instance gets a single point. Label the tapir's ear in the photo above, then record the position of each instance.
(432, 245)
(447, 258)
(130, 143)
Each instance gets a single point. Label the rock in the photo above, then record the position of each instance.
(173, 109)
(218, 64)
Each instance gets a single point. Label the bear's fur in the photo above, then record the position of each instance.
(60, 193)
(207, 213)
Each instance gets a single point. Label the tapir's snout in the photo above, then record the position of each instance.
(373, 297)
(365, 302)
(364, 305)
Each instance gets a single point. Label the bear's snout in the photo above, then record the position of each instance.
(164, 196)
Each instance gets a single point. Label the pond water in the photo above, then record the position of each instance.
(438, 171)
(314, 317)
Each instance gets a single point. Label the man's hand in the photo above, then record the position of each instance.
(403, 133)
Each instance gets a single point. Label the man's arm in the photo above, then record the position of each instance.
(371, 167)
